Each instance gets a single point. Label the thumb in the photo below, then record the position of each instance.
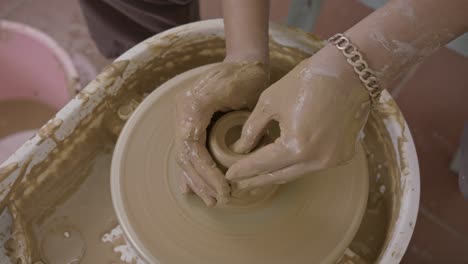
(252, 131)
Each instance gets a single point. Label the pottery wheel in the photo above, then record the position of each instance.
(311, 220)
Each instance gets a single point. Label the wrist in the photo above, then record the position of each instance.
(377, 56)
(330, 57)
(333, 63)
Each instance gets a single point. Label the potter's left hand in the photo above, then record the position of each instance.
(230, 86)
(321, 107)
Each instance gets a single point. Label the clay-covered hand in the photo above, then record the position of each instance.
(229, 86)
(321, 110)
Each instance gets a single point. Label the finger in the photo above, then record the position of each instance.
(183, 185)
(207, 169)
(193, 126)
(197, 184)
(193, 117)
(270, 158)
(252, 131)
(208, 200)
(278, 177)
(202, 120)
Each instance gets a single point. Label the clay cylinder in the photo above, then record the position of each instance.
(226, 131)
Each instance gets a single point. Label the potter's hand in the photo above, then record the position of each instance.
(230, 86)
(321, 108)
(321, 105)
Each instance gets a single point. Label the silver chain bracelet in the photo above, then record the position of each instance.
(355, 58)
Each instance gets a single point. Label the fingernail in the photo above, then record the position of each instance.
(242, 185)
(183, 187)
(238, 147)
(229, 174)
(209, 202)
(238, 192)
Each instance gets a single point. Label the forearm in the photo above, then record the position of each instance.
(403, 32)
(246, 27)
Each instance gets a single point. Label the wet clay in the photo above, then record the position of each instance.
(42, 187)
(227, 130)
(221, 137)
(311, 220)
(19, 118)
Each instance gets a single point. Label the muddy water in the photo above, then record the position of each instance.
(64, 203)
(72, 232)
(19, 118)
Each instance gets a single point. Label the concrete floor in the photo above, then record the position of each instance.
(434, 101)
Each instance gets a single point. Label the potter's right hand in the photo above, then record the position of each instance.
(321, 107)
(229, 86)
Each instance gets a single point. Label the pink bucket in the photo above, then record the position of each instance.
(34, 68)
